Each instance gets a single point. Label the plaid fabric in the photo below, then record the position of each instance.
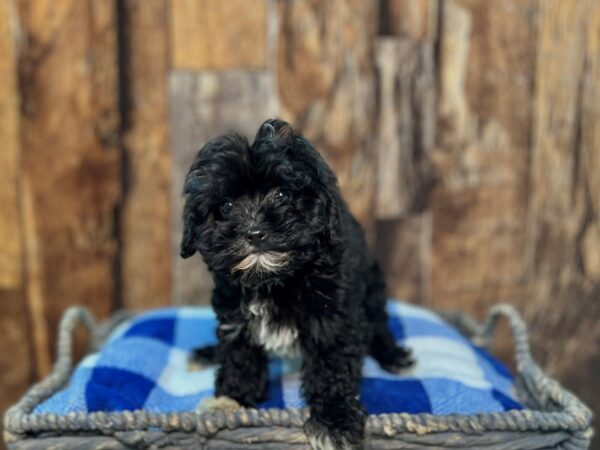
(143, 365)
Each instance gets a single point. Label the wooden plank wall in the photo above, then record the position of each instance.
(144, 214)
(464, 132)
(18, 366)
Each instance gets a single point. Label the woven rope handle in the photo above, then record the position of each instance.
(551, 393)
(71, 319)
(518, 331)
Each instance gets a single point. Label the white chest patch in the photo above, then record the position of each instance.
(278, 339)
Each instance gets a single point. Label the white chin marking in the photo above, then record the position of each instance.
(262, 262)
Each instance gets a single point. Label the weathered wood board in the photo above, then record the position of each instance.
(17, 364)
(405, 139)
(69, 158)
(486, 81)
(145, 212)
(216, 34)
(564, 197)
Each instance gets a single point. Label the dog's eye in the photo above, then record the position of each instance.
(225, 208)
(282, 196)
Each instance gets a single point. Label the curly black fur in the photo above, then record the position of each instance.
(291, 272)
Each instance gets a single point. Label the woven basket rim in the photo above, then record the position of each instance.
(556, 408)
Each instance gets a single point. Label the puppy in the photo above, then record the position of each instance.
(292, 276)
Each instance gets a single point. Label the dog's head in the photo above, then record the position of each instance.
(258, 212)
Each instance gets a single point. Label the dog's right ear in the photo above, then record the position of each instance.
(188, 247)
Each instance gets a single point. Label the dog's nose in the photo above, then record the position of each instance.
(255, 234)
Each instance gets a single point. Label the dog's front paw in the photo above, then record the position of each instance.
(218, 403)
(398, 361)
(322, 437)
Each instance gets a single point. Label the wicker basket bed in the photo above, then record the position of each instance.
(553, 418)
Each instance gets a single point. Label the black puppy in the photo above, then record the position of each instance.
(292, 275)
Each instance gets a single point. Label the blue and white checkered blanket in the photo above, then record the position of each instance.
(143, 365)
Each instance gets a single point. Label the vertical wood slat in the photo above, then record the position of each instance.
(326, 88)
(403, 249)
(413, 19)
(405, 125)
(145, 216)
(403, 158)
(217, 35)
(487, 61)
(70, 157)
(564, 204)
(16, 364)
(405, 138)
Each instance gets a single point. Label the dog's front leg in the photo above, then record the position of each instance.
(331, 383)
(243, 373)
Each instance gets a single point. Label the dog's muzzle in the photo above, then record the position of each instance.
(262, 262)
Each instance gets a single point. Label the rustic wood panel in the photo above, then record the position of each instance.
(405, 139)
(486, 78)
(216, 34)
(414, 19)
(403, 250)
(205, 105)
(17, 364)
(70, 157)
(145, 238)
(11, 254)
(326, 88)
(564, 207)
(405, 126)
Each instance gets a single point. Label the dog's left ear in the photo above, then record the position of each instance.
(334, 213)
(327, 185)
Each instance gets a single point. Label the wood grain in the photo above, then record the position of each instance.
(70, 157)
(405, 139)
(486, 79)
(326, 88)
(145, 217)
(564, 214)
(11, 266)
(215, 34)
(17, 365)
(413, 19)
(403, 249)
(405, 126)
(203, 106)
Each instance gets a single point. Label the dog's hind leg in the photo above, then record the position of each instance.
(202, 357)
(390, 356)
